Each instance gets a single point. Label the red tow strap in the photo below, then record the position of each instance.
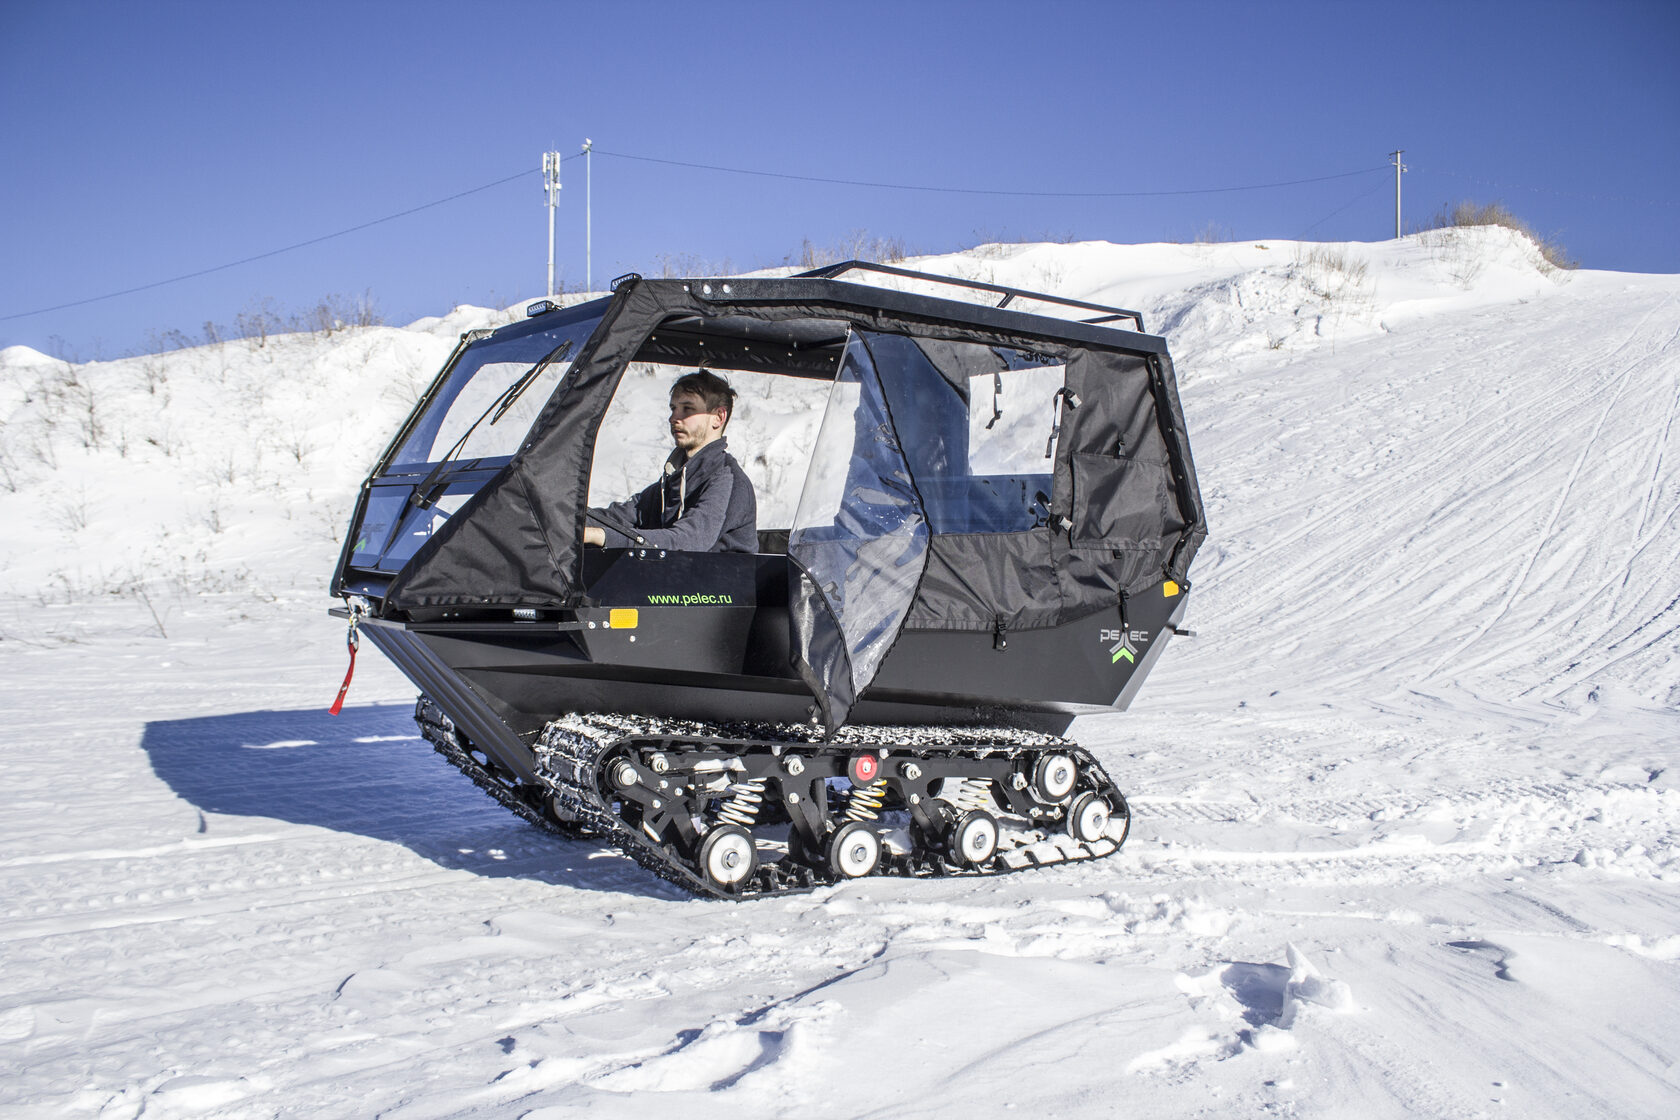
(353, 640)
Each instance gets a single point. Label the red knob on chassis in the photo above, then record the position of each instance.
(863, 769)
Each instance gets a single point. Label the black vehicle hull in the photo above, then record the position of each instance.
(724, 657)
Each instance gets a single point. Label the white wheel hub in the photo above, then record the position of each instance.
(1088, 820)
(856, 851)
(729, 857)
(1056, 777)
(975, 838)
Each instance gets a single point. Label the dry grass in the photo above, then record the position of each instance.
(1213, 234)
(263, 318)
(858, 245)
(682, 266)
(1330, 271)
(1468, 213)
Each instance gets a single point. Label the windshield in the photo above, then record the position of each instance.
(494, 394)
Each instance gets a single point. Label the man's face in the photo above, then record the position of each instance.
(692, 427)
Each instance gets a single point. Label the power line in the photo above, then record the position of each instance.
(978, 190)
(270, 253)
(1358, 198)
(678, 163)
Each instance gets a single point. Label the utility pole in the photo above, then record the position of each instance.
(1394, 158)
(551, 183)
(588, 219)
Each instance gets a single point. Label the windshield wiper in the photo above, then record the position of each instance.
(424, 494)
(517, 389)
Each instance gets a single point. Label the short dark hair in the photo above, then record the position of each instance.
(712, 390)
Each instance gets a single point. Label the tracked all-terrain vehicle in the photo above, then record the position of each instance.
(976, 523)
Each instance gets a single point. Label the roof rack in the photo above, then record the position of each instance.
(1110, 314)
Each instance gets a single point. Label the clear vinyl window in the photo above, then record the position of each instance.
(1011, 415)
(771, 433)
(493, 395)
(979, 425)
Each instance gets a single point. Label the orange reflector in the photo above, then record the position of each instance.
(623, 618)
(1169, 589)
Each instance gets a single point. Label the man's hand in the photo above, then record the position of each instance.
(593, 535)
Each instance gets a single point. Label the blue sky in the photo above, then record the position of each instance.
(147, 141)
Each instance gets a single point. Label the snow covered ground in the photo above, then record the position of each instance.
(1407, 835)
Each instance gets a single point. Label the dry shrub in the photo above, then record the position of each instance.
(858, 245)
(1468, 213)
(1330, 271)
(1213, 234)
(681, 266)
(330, 314)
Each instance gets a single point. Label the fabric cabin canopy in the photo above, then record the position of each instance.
(922, 536)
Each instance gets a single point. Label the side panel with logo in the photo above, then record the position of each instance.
(1094, 661)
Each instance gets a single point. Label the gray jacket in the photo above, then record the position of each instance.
(702, 504)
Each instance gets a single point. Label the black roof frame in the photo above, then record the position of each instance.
(838, 296)
(1110, 314)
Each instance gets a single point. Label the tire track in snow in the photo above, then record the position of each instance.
(1339, 598)
(1666, 638)
(1323, 810)
(89, 921)
(1654, 484)
(1388, 502)
(186, 846)
(1516, 584)
(1577, 670)
(1576, 610)
(1632, 830)
(1613, 583)
(1452, 445)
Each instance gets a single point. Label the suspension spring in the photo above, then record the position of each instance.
(965, 794)
(864, 802)
(745, 801)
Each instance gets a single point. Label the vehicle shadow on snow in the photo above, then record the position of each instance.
(367, 771)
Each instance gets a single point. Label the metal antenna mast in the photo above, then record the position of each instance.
(588, 219)
(1394, 158)
(551, 183)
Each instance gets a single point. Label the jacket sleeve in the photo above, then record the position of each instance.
(701, 526)
(629, 511)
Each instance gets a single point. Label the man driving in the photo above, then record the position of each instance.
(704, 502)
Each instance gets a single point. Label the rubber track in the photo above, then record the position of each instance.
(439, 730)
(571, 749)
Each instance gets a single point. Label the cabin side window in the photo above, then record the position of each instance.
(770, 433)
(979, 425)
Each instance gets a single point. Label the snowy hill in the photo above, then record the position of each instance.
(1407, 834)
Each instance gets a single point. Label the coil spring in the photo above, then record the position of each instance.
(746, 799)
(864, 802)
(965, 794)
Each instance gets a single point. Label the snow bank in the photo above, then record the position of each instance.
(1426, 740)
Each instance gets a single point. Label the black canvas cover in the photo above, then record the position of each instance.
(978, 468)
(1115, 477)
(518, 542)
